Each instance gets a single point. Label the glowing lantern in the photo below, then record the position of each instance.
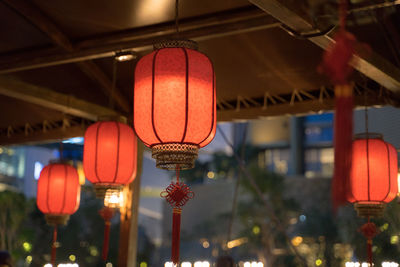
(175, 114)
(373, 180)
(58, 196)
(109, 155)
(174, 103)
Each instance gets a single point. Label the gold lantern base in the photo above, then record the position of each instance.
(175, 155)
(101, 189)
(369, 209)
(53, 219)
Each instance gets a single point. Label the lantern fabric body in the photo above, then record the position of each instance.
(109, 154)
(374, 169)
(58, 190)
(174, 98)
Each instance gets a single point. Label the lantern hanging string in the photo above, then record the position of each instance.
(54, 246)
(343, 13)
(177, 17)
(113, 83)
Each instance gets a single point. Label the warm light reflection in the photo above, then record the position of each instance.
(113, 199)
(237, 242)
(297, 240)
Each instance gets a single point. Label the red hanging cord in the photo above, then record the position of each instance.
(54, 246)
(176, 194)
(369, 231)
(336, 65)
(106, 213)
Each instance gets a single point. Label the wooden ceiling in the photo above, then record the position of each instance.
(57, 57)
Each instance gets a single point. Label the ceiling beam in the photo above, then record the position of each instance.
(35, 16)
(200, 28)
(374, 66)
(49, 99)
(299, 108)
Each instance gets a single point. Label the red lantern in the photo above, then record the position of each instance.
(109, 155)
(58, 196)
(373, 180)
(174, 103)
(175, 114)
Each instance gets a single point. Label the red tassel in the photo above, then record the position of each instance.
(342, 142)
(369, 251)
(54, 247)
(107, 214)
(369, 230)
(107, 226)
(176, 232)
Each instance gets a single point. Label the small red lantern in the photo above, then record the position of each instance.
(174, 103)
(109, 162)
(58, 196)
(109, 155)
(373, 180)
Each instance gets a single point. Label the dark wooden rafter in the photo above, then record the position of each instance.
(374, 67)
(34, 15)
(198, 28)
(52, 100)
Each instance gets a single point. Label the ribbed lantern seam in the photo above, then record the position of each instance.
(213, 103)
(187, 94)
(152, 95)
(369, 194)
(134, 113)
(65, 188)
(118, 145)
(390, 180)
(96, 153)
(48, 189)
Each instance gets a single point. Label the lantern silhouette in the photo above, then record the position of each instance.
(174, 103)
(58, 196)
(373, 179)
(109, 156)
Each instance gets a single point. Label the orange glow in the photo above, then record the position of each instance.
(58, 190)
(109, 153)
(174, 98)
(374, 171)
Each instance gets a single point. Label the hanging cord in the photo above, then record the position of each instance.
(177, 17)
(369, 231)
(342, 13)
(268, 208)
(54, 246)
(114, 84)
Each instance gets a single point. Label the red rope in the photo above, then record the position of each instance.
(176, 232)
(54, 247)
(369, 230)
(342, 13)
(107, 226)
(106, 213)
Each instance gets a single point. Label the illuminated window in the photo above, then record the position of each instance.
(38, 168)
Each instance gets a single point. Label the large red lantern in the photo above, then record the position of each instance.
(109, 155)
(174, 114)
(373, 180)
(58, 196)
(174, 103)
